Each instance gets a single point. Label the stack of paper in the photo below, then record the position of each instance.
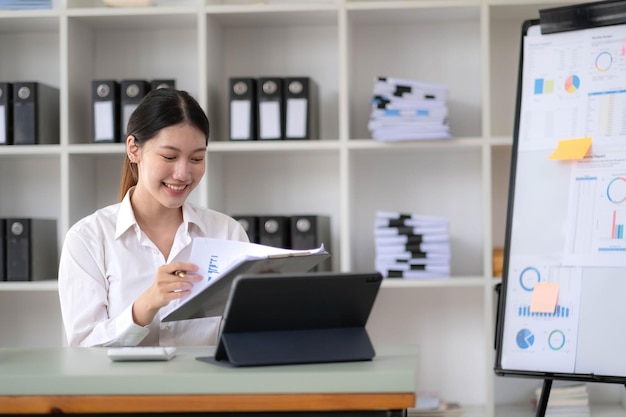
(25, 4)
(430, 405)
(567, 399)
(408, 110)
(411, 245)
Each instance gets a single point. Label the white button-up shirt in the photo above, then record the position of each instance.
(107, 262)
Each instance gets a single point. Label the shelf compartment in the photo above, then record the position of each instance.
(258, 184)
(415, 43)
(284, 43)
(453, 362)
(43, 322)
(93, 183)
(426, 183)
(138, 46)
(30, 184)
(30, 49)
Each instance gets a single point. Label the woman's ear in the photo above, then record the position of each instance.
(132, 150)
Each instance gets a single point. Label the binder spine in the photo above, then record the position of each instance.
(271, 109)
(132, 92)
(275, 231)
(250, 225)
(162, 83)
(301, 108)
(308, 231)
(35, 114)
(31, 249)
(243, 109)
(18, 251)
(106, 111)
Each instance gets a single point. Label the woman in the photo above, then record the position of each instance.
(120, 265)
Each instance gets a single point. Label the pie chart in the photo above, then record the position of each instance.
(616, 190)
(525, 339)
(556, 340)
(529, 277)
(603, 61)
(572, 83)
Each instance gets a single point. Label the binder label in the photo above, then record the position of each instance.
(3, 126)
(296, 117)
(240, 111)
(269, 119)
(103, 111)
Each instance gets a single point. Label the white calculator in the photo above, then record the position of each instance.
(141, 353)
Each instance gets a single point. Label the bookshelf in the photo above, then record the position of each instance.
(470, 45)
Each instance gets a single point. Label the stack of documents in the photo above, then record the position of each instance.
(431, 405)
(25, 4)
(566, 399)
(411, 246)
(408, 110)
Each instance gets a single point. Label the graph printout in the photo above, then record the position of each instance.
(548, 338)
(597, 212)
(574, 85)
(567, 222)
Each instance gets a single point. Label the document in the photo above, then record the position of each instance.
(405, 109)
(220, 261)
(410, 245)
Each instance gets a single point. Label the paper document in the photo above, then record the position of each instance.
(220, 261)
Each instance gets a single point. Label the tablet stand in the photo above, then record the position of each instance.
(293, 347)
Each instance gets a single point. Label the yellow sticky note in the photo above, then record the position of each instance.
(544, 298)
(571, 149)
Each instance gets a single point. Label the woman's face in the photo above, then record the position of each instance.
(170, 165)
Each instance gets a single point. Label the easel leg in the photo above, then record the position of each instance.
(543, 399)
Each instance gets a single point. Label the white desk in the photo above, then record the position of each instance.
(84, 380)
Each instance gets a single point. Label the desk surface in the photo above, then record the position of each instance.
(85, 380)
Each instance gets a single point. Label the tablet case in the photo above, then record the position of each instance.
(278, 319)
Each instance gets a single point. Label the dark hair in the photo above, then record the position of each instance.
(159, 109)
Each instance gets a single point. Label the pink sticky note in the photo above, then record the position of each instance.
(544, 298)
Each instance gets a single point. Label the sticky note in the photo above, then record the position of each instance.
(544, 298)
(571, 149)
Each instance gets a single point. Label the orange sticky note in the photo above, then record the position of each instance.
(571, 149)
(544, 298)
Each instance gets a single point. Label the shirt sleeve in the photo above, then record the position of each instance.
(239, 233)
(83, 294)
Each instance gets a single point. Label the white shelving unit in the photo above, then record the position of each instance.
(470, 45)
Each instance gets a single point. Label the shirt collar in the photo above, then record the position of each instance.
(126, 216)
(190, 216)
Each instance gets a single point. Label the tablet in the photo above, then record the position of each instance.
(285, 318)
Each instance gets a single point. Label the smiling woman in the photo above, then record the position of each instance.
(122, 264)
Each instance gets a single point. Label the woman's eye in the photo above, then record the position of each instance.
(169, 158)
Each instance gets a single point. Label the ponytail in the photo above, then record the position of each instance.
(129, 177)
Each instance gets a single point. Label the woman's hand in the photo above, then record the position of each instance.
(172, 281)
